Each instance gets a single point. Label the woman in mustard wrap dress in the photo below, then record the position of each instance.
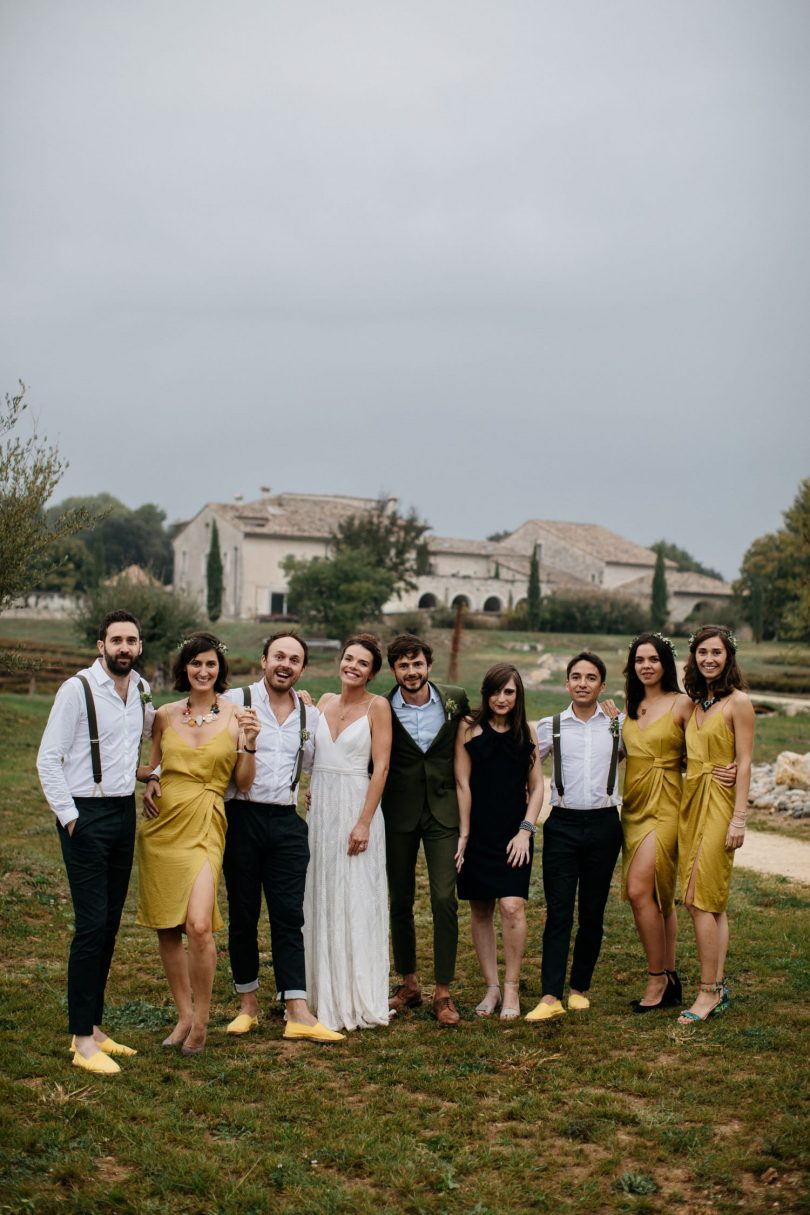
(199, 744)
(652, 733)
(712, 817)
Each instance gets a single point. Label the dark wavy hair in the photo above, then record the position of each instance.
(268, 641)
(369, 642)
(731, 676)
(199, 643)
(633, 687)
(498, 677)
(405, 645)
(118, 617)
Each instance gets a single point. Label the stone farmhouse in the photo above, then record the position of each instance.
(487, 576)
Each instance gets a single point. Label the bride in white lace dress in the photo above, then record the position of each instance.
(346, 899)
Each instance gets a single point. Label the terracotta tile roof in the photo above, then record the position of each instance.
(311, 516)
(484, 548)
(681, 582)
(590, 538)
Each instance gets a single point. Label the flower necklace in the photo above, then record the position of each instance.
(199, 719)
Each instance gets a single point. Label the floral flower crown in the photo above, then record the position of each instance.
(666, 640)
(219, 646)
(726, 634)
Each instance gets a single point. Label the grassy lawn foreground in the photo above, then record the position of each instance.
(601, 1111)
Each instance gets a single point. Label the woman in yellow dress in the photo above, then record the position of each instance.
(712, 817)
(652, 733)
(197, 745)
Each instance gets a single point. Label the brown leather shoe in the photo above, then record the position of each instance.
(404, 997)
(444, 1010)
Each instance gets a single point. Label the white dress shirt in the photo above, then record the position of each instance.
(585, 750)
(64, 763)
(276, 748)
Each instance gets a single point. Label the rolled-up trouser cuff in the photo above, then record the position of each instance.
(292, 994)
(243, 988)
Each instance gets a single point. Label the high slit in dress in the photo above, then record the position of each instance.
(651, 799)
(190, 829)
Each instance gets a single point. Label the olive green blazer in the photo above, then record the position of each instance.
(419, 778)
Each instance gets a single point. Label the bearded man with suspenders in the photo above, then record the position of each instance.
(582, 836)
(87, 762)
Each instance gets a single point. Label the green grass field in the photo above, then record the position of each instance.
(595, 1112)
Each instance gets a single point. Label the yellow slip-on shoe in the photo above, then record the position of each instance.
(577, 1003)
(545, 1011)
(99, 1064)
(242, 1024)
(315, 1033)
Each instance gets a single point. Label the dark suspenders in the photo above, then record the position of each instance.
(558, 769)
(92, 727)
(247, 700)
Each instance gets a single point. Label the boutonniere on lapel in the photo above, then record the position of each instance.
(146, 698)
(305, 735)
(614, 727)
(450, 708)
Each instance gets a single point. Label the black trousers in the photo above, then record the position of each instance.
(98, 860)
(580, 848)
(266, 848)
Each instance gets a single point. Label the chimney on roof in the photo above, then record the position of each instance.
(264, 490)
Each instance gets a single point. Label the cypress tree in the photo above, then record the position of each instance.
(658, 603)
(533, 609)
(214, 575)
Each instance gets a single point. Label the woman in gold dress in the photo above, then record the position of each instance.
(712, 817)
(653, 736)
(197, 745)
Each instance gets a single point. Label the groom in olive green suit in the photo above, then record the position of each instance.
(419, 805)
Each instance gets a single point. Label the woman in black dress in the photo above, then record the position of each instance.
(500, 795)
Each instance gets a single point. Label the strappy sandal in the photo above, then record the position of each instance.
(485, 1008)
(688, 1017)
(664, 1000)
(510, 1012)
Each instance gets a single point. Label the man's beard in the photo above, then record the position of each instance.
(422, 683)
(117, 666)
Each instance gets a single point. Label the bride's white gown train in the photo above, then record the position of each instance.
(346, 899)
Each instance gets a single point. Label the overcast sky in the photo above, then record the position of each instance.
(504, 259)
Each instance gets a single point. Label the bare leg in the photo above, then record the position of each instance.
(647, 915)
(175, 965)
(482, 922)
(202, 953)
(298, 1010)
(707, 939)
(722, 946)
(513, 927)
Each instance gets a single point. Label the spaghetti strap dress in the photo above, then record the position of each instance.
(189, 830)
(651, 799)
(498, 775)
(706, 811)
(346, 897)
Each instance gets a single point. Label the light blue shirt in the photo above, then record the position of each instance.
(422, 722)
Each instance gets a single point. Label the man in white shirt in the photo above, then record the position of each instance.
(266, 844)
(87, 761)
(582, 836)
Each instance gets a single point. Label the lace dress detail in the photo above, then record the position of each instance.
(346, 899)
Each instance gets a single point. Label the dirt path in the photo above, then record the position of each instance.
(763, 851)
(766, 852)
